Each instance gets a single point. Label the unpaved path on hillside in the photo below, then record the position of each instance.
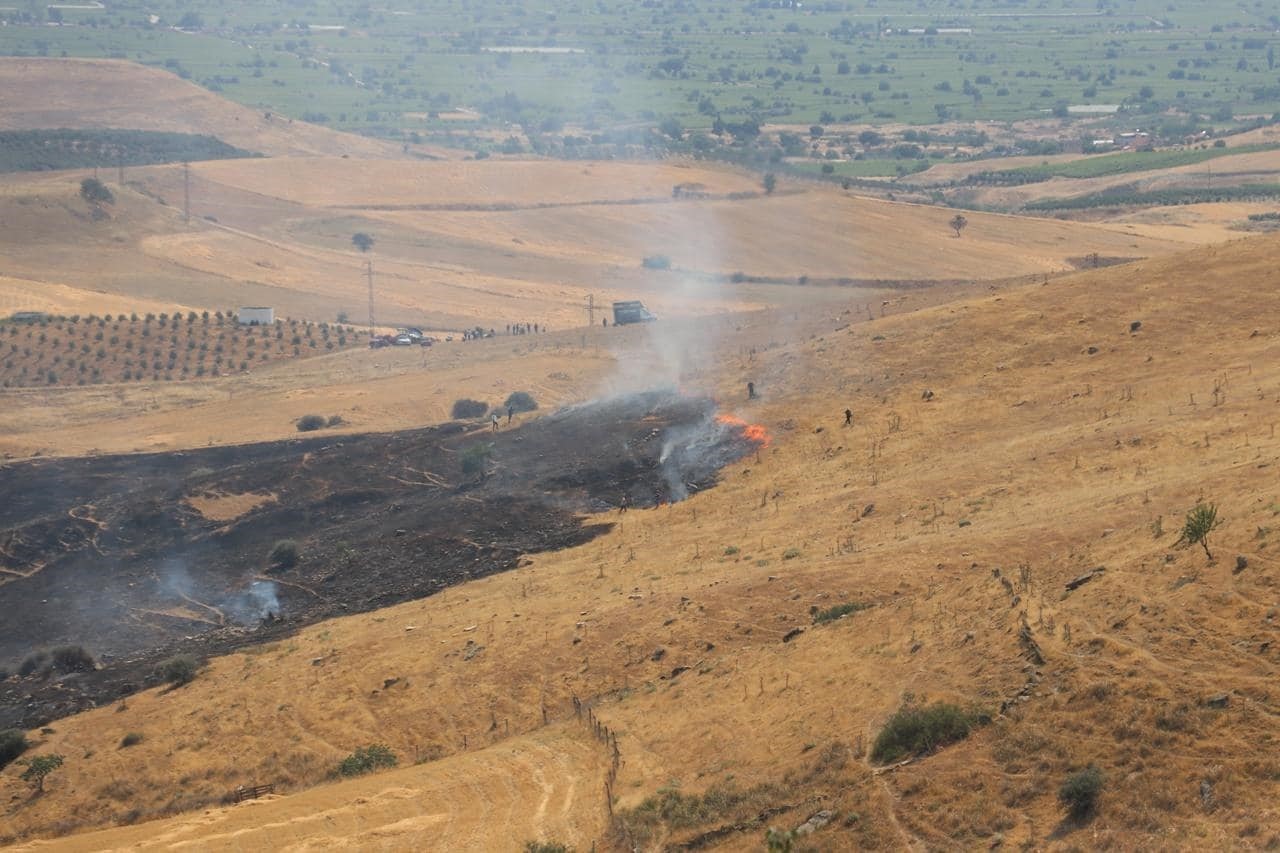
(544, 786)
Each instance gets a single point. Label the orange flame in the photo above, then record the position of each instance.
(755, 433)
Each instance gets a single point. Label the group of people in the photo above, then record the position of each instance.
(525, 328)
(477, 333)
(496, 417)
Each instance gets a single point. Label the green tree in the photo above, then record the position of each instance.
(39, 767)
(366, 759)
(770, 182)
(362, 241)
(1197, 526)
(13, 743)
(958, 223)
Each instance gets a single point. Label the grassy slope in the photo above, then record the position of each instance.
(1058, 460)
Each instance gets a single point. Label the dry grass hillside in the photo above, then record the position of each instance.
(108, 93)
(819, 234)
(1056, 438)
(378, 390)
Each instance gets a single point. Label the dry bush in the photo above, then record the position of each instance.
(116, 789)
(466, 409)
(1080, 791)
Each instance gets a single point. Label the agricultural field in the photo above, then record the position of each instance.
(569, 78)
(90, 350)
(1106, 165)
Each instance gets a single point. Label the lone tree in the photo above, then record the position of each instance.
(1197, 526)
(96, 193)
(39, 767)
(362, 241)
(958, 222)
(770, 182)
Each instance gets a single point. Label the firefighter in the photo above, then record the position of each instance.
(511, 410)
(848, 417)
(751, 390)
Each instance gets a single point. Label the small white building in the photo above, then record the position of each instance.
(257, 316)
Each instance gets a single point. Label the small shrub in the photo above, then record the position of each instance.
(334, 420)
(917, 730)
(180, 669)
(464, 409)
(546, 847)
(13, 743)
(730, 550)
(521, 401)
(131, 739)
(656, 262)
(366, 759)
(310, 423)
(1079, 791)
(791, 553)
(284, 554)
(835, 612)
(475, 459)
(68, 659)
(1197, 526)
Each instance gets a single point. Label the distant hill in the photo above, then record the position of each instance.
(105, 93)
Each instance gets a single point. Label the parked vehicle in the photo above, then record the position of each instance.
(631, 312)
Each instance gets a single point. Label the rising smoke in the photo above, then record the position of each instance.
(246, 606)
(253, 604)
(691, 451)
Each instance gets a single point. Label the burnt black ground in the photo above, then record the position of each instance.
(104, 552)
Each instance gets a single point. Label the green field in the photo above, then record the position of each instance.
(1127, 197)
(1106, 165)
(39, 150)
(401, 69)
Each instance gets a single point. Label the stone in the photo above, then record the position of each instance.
(815, 822)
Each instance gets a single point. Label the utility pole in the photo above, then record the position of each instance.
(591, 309)
(369, 272)
(186, 192)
